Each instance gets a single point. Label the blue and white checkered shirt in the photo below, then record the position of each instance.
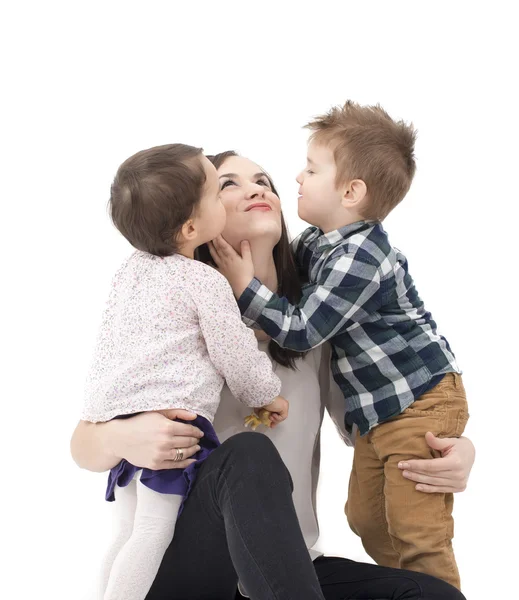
(360, 296)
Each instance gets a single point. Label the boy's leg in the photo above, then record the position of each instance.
(421, 525)
(123, 517)
(137, 563)
(365, 508)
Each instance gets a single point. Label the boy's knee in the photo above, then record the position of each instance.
(361, 519)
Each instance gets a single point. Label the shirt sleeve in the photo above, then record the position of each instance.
(302, 253)
(332, 397)
(232, 347)
(345, 293)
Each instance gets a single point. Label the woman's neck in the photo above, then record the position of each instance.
(264, 267)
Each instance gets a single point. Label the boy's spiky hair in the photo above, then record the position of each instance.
(368, 144)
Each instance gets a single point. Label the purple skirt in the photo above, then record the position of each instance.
(167, 481)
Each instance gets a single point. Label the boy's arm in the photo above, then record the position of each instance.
(302, 253)
(332, 397)
(345, 293)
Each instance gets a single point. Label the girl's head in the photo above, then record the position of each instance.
(253, 211)
(166, 198)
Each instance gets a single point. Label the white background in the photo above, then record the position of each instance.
(86, 84)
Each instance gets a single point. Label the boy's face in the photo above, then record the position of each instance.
(319, 201)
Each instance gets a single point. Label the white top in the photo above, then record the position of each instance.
(309, 390)
(171, 334)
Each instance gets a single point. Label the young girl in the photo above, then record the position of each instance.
(171, 334)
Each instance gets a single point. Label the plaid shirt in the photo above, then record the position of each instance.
(385, 349)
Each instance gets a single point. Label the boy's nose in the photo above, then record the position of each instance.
(299, 178)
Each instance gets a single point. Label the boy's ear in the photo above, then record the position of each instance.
(354, 194)
(188, 231)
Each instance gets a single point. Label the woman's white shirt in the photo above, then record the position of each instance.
(308, 389)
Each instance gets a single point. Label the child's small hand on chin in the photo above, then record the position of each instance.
(238, 270)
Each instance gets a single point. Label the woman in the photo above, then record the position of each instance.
(254, 213)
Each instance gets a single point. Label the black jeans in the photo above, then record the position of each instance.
(343, 579)
(238, 522)
(240, 519)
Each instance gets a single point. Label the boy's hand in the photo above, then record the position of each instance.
(238, 270)
(278, 409)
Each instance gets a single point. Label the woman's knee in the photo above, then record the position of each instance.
(250, 442)
(255, 453)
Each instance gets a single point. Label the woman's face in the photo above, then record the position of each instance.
(253, 210)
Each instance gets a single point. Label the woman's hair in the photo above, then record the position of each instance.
(289, 285)
(154, 193)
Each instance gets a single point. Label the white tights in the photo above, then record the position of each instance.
(144, 525)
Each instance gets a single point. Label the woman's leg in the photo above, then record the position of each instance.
(137, 563)
(238, 522)
(123, 517)
(343, 579)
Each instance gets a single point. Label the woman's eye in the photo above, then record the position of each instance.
(263, 182)
(227, 184)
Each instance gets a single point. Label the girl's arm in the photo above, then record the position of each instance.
(147, 440)
(232, 347)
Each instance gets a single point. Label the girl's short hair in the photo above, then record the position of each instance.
(154, 193)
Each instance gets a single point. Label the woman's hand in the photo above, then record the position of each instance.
(147, 440)
(447, 474)
(238, 270)
(151, 439)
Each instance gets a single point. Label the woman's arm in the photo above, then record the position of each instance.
(447, 474)
(147, 440)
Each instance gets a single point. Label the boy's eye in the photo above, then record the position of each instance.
(309, 171)
(227, 184)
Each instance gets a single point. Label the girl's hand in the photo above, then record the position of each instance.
(238, 270)
(278, 410)
(150, 440)
(447, 474)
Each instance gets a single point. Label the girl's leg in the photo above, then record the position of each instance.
(137, 563)
(238, 522)
(123, 517)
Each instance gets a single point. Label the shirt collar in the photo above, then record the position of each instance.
(337, 236)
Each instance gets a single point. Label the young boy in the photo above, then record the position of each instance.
(398, 375)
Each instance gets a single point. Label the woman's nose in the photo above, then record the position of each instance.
(255, 190)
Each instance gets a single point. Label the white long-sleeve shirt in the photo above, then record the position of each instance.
(171, 335)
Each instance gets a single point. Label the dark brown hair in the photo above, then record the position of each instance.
(289, 284)
(154, 193)
(368, 144)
